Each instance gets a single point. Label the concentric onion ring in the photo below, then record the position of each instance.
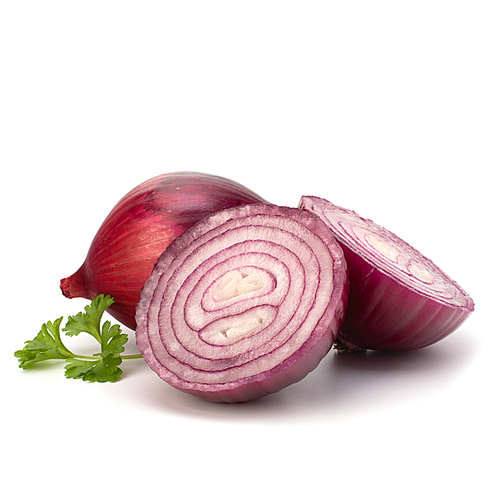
(244, 303)
(399, 299)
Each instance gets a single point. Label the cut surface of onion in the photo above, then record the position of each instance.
(399, 299)
(244, 303)
(139, 228)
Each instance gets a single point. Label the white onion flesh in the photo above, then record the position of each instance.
(244, 303)
(399, 299)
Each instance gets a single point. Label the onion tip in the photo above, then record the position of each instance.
(73, 286)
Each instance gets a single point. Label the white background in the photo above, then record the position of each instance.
(389, 108)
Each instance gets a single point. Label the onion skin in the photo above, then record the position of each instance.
(388, 316)
(385, 312)
(139, 228)
(300, 304)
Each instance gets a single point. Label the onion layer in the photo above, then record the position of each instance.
(399, 299)
(244, 303)
(139, 228)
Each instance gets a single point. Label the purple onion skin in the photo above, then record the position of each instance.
(139, 228)
(243, 237)
(384, 313)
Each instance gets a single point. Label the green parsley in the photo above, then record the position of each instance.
(101, 367)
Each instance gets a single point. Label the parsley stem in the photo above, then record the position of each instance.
(81, 356)
(94, 358)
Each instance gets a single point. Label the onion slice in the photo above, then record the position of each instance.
(399, 299)
(244, 303)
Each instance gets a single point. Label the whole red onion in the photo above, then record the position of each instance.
(399, 299)
(139, 228)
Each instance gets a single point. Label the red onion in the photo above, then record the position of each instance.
(139, 228)
(244, 303)
(399, 299)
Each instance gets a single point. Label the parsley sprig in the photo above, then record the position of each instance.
(100, 367)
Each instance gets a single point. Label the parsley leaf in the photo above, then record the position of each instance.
(104, 370)
(101, 367)
(90, 321)
(112, 340)
(46, 345)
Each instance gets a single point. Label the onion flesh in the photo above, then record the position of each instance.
(139, 228)
(399, 299)
(244, 303)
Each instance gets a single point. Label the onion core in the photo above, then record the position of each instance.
(399, 299)
(244, 303)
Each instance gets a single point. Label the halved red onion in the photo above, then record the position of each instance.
(399, 299)
(244, 303)
(139, 228)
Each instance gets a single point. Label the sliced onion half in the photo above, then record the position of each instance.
(399, 299)
(244, 303)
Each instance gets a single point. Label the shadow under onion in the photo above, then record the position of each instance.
(343, 384)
